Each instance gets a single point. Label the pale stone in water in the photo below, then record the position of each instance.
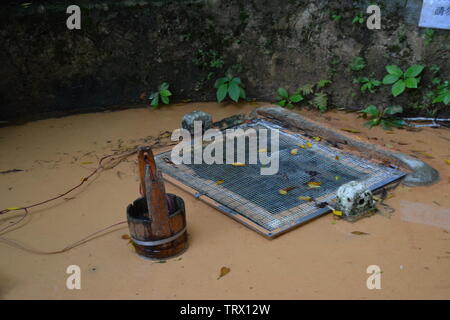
(189, 118)
(353, 199)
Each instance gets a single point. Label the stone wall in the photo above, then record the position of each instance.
(125, 48)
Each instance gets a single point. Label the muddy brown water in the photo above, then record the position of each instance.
(321, 259)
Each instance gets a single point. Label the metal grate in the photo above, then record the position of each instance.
(254, 199)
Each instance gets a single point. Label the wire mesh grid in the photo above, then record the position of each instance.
(243, 191)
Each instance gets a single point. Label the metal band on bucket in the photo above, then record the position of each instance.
(159, 242)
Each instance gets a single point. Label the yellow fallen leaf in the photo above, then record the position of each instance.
(238, 164)
(317, 138)
(87, 162)
(314, 184)
(337, 178)
(294, 152)
(220, 182)
(427, 155)
(262, 150)
(301, 146)
(447, 161)
(304, 198)
(282, 192)
(350, 130)
(12, 209)
(223, 272)
(336, 158)
(337, 213)
(309, 145)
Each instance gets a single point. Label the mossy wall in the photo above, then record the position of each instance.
(125, 48)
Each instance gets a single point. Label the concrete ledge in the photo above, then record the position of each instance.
(421, 173)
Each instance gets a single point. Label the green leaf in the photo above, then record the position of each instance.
(393, 110)
(394, 70)
(283, 93)
(152, 95)
(386, 124)
(364, 87)
(155, 101)
(242, 93)
(164, 86)
(372, 122)
(165, 93)
(376, 82)
(165, 99)
(234, 91)
(222, 92)
(411, 83)
(371, 110)
(323, 83)
(398, 88)
(290, 106)
(220, 82)
(414, 71)
(397, 123)
(296, 98)
(390, 79)
(236, 80)
(281, 103)
(320, 101)
(307, 89)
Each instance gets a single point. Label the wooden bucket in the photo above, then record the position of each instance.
(157, 221)
(153, 246)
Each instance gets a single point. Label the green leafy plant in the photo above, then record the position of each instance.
(335, 17)
(320, 101)
(162, 95)
(231, 86)
(401, 80)
(208, 59)
(384, 117)
(359, 18)
(323, 83)
(286, 100)
(429, 34)
(442, 93)
(307, 89)
(357, 64)
(367, 84)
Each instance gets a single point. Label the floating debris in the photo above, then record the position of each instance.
(223, 272)
(304, 198)
(350, 130)
(238, 164)
(219, 182)
(359, 233)
(10, 171)
(294, 152)
(314, 184)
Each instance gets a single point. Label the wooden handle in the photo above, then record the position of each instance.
(155, 194)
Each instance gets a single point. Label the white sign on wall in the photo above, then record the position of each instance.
(435, 14)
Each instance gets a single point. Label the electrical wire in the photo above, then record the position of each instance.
(100, 167)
